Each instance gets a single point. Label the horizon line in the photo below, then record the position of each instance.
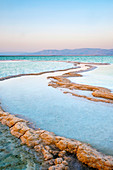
(53, 50)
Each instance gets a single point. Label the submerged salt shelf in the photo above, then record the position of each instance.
(63, 114)
(15, 156)
(101, 76)
(9, 68)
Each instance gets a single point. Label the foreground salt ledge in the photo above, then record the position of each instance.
(54, 148)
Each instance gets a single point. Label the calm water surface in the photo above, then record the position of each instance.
(63, 114)
(101, 76)
(24, 67)
(98, 59)
(52, 110)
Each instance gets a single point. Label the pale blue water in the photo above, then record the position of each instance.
(24, 67)
(102, 76)
(98, 59)
(63, 114)
(52, 110)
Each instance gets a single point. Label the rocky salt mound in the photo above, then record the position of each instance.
(13, 155)
(98, 92)
(58, 152)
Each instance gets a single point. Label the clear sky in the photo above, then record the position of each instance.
(33, 25)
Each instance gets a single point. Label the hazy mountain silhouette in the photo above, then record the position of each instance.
(81, 51)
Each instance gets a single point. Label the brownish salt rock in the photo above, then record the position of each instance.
(58, 161)
(72, 74)
(32, 141)
(1, 108)
(58, 138)
(65, 163)
(73, 146)
(48, 148)
(54, 152)
(67, 158)
(53, 85)
(103, 94)
(63, 85)
(67, 168)
(48, 137)
(51, 162)
(14, 121)
(87, 155)
(2, 116)
(51, 167)
(11, 120)
(60, 79)
(62, 144)
(47, 155)
(58, 167)
(61, 153)
(65, 80)
(1, 113)
(31, 138)
(62, 82)
(19, 129)
(39, 131)
(38, 148)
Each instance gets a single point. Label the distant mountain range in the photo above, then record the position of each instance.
(81, 51)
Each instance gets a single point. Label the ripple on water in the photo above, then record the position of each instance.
(24, 67)
(97, 59)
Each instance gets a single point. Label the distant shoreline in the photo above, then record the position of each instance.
(49, 55)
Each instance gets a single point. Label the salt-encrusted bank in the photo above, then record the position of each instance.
(55, 148)
(63, 82)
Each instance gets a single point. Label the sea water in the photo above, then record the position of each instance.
(52, 110)
(10, 68)
(63, 114)
(98, 59)
(101, 76)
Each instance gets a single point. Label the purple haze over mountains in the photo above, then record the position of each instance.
(81, 51)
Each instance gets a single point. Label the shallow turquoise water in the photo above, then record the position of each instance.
(24, 67)
(14, 156)
(63, 114)
(98, 59)
(52, 110)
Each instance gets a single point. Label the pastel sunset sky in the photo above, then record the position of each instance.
(33, 25)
